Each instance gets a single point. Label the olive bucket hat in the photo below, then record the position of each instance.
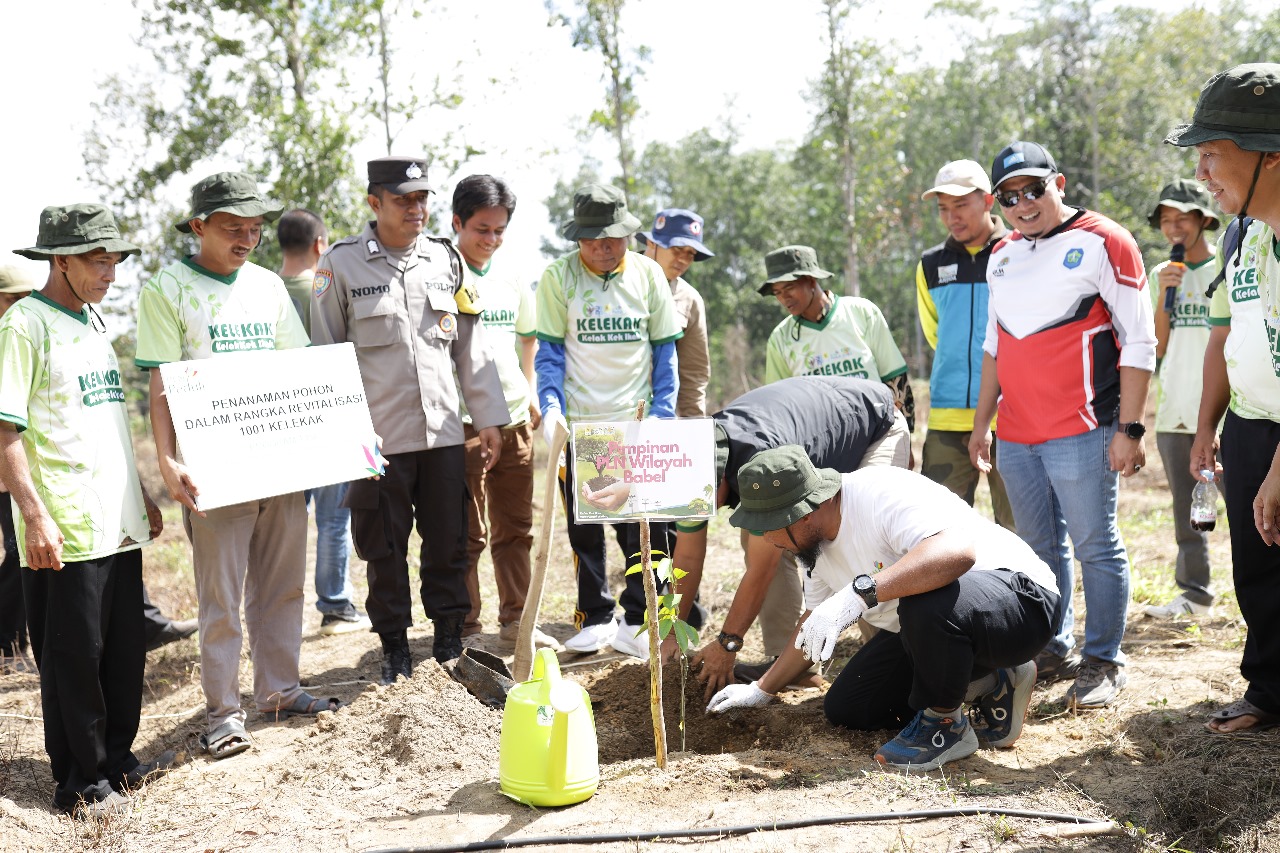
(779, 487)
(16, 279)
(788, 264)
(1185, 195)
(229, 192)
(75, 229)
(1241, 104)
(599, 210)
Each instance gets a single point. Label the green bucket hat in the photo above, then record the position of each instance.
(1185, 195)
(229, 192)
(76, 229)
(1241, 104)
(788, 264)
(779, 487)
(599, 210)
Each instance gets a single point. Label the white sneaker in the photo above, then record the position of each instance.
(1178, 608)
(628, 643)
(592, 638)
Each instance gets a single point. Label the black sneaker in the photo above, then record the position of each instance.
(173, 632)
(396, 659)
(147, 771)
(346, 622)
(998, 716)
(447, 644)
(1051, 667)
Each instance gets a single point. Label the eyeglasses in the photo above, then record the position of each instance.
(1031, 192)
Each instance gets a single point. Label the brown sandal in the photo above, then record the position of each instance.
(1242, 708)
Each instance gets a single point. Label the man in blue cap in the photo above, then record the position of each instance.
(676, 244)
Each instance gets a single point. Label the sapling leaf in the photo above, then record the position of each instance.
(664, 628)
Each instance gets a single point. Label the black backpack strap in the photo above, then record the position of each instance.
(1236, 230)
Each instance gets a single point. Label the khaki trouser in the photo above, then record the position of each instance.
(503, 497)
(784, 602)
(256, 552)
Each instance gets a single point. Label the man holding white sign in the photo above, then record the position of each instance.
(399, 295)
(209, 304)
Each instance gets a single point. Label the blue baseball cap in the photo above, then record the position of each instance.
(678, 227)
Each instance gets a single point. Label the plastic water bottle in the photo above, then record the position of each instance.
(1204, 503)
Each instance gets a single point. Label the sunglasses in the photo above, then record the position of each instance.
(1031, 192)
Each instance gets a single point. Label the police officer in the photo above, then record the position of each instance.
(398, 295)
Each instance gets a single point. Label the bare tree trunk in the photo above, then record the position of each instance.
(384, 75)
(655, 644)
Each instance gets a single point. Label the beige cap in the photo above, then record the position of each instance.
(959, 177)
(16, 279)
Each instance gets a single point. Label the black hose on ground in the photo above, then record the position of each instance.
(731, 831)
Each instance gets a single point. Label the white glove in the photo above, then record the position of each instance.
(549, 420)
(817, 636)
(738, 696)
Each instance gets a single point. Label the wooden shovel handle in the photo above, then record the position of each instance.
(522, 669)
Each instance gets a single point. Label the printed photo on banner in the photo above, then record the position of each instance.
(658, 469)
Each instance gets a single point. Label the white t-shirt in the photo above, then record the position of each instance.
(1181, 370)
(885, 512)
(508, 314)
(1252, 356)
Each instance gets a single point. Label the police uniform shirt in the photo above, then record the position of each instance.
(404, 319)
(60, 386)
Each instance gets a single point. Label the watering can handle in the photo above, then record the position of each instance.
(546, 667)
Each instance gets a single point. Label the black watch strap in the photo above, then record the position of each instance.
(731, 642)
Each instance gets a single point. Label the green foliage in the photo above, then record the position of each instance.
(668, 605)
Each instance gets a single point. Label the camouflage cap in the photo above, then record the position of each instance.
(16, 279)
(1185, 195)
(778, 487)
(788, 264)
(600, 210)
(1241, 104)
(229, 192)
(75, 229)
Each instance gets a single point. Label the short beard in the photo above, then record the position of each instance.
(808, 557)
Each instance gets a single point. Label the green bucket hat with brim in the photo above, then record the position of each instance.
(788, 264)
(229, 192)
(1185, 195)
(779, 487)
(1241, 104)
(75, 229)
(599, 211)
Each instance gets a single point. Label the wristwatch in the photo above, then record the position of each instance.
(865, 587)
(732, 642)
(1134, 430)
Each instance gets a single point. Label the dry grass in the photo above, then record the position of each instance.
(1146, 762)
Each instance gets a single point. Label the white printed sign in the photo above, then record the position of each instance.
(254, 425)
(658, 469)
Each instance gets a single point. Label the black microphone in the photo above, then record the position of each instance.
(1177, 255)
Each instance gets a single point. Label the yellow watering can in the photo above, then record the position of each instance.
(548, 754)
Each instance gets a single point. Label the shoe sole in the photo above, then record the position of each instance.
(336, 628)
(961, 749)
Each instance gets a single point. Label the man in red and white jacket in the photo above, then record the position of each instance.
(1069, 351)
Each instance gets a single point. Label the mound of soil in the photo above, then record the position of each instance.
(624, 727)
(409, 731)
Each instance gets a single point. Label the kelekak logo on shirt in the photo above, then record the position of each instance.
(101, 386)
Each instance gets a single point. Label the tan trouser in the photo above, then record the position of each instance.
(256, 552)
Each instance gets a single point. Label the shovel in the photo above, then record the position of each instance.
(523, 666)
(485, 675)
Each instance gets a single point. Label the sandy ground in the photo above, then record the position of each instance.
(416, 764)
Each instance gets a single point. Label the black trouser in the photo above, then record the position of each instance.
(950, 636)
(1247, 448)
(13, 617)
(87, 638)
(152, 619)
(595, 604)
(429, 488)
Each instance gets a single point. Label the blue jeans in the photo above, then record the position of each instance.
(333, 533)
(1066, 486)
